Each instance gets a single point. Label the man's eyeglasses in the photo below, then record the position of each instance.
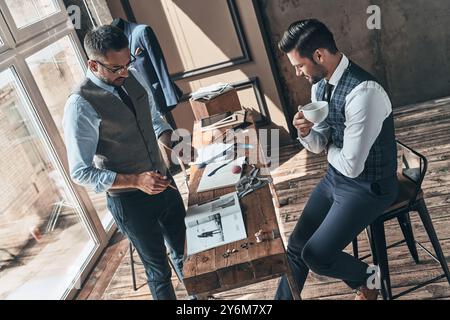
(118, 69)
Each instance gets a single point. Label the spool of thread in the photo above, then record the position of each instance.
(262, 236)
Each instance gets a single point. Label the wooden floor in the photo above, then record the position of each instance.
(425, 127)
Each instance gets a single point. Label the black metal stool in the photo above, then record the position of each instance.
(410, 199)
(133, 272)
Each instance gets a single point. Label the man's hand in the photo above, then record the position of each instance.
(149, 182)
(152, 182)
(303, 126)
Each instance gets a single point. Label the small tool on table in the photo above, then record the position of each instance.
(251, 183)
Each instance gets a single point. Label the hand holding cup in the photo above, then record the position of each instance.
(308, 115)
(301, 124)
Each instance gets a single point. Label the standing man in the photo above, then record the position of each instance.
(358, 135)
(111, 128)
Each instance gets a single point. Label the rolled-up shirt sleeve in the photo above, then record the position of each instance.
(317, 140)
(367, 107)
(81, 133)
(159, 123)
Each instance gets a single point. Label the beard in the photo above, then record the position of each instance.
(115, 83)
(319, 73)
(119, 82)
(315, 79)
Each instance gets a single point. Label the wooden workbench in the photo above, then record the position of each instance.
(208, 272)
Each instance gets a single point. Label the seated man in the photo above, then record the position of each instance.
(361, 181)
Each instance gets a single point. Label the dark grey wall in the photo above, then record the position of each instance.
(415, 47)
(410, 55)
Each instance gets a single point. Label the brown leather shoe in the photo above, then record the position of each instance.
(364, 293)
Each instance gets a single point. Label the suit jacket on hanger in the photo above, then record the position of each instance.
(150, 63)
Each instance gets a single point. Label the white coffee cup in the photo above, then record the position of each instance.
(315, 112)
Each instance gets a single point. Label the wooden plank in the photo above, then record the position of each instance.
(104, 270)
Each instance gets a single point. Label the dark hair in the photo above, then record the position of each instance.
(99, 41)
(307, 36)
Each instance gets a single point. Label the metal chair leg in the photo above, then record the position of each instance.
(372, 245)
(405, 224)
(428, 225)
(355, 248)
(379, 237)
(133, 274)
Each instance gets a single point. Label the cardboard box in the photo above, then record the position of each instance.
(228, 101)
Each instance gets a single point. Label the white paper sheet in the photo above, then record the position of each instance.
(213, 152)
(214, 224)
(223, 177)
(211, 91)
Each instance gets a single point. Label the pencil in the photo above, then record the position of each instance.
(173, 187)
(170, 185)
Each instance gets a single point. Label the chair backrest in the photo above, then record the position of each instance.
(412, 165)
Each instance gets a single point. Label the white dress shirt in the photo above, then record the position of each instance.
(366, 108)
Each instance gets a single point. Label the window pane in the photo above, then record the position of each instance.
(26, 12)
(43, 241)
(57, 70)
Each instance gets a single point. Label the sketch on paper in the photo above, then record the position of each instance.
(214, 224)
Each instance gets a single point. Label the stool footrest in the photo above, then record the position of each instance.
(418, 286)
(388, 247)
(428, 252)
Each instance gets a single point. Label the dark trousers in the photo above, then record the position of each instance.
(337, 211)
(149, 221)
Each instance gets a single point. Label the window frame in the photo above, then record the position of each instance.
(13, 55)
(21, 35)
(46, 117)
(48, 142)
(27, 51)
(5, 36)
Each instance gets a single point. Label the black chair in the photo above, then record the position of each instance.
(412, 170)
(133, 272)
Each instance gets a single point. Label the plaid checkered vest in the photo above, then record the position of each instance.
(382, 159)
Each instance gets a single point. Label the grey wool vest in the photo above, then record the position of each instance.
(382, 159)
(127, 143)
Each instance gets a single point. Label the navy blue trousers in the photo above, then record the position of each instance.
(337, 211)
(150, 221)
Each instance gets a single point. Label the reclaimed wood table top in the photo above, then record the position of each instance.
(209, 271)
